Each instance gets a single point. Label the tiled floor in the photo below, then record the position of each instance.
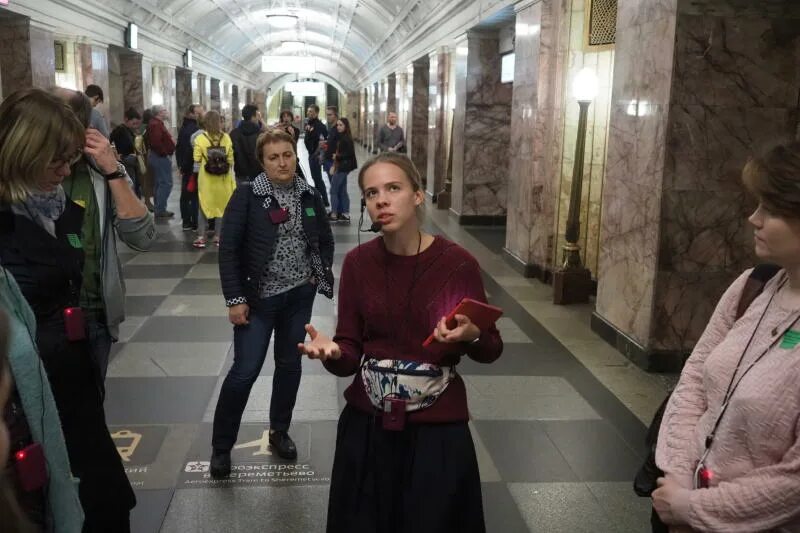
(557, 448)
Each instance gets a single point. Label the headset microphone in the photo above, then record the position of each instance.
(374, 228)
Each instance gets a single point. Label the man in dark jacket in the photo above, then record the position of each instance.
(313, 131)
(246, 163)
(332, 142)
(124, 138)
(184, 157)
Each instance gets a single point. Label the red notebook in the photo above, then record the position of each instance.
(482, 315)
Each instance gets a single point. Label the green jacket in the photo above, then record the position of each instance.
(40, 408)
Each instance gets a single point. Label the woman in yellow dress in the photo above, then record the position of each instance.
(213, 152)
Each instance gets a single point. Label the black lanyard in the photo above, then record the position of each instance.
(733, 386)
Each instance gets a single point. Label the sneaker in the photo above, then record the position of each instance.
(220, 464)
(187, 227)
(333, 217)
(344, 218)
(165, 214)
(283, 444)
(200, 243)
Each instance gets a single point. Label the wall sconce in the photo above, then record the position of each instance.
(572, 282)
(132, 36)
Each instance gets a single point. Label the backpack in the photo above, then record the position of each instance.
(216, 158)
(645, 481)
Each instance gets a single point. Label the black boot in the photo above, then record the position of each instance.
(283, 444)
(220, 464)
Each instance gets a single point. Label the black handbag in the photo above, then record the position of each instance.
(645, 481)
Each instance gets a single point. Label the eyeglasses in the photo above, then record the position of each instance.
(69, 160)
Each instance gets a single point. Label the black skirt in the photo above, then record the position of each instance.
(423, 479)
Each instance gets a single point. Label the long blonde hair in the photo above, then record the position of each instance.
(36, 129)
(212, 123)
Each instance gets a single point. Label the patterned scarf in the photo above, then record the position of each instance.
(262, 186)
(44, 208)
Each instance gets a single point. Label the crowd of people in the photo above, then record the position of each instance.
(727, 449)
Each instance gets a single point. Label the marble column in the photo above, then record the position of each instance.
(26, 55)
(216, 101)
(403, 103)
(391, 93)
(481, 131)
(260, 100)
(130, 64)
(202, 96)
(693, 98)
(236, 107)
(437, 120)
(115, 97)
(417, 126)
(354, 113)
(248, 96)
(537, 123)
(365, 137)
(147, 83)
(183, 90)
(164, 90)
(376, 115)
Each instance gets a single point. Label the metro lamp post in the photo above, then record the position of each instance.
(572, 282)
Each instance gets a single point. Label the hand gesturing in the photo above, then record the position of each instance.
(321, 346)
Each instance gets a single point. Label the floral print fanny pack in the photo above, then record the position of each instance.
(418, 384)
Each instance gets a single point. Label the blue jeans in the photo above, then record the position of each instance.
(161, 168)
(287, 313)
(316, 175)
(340, 200)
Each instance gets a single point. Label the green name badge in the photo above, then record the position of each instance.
(74, 240)
(310, 212)
(790, 340)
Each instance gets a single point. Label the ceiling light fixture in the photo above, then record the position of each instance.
(282, 21)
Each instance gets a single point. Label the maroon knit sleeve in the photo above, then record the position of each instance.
(350, 324)
(489, 345)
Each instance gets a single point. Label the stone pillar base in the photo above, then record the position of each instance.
(528, 270)
(572, 286)
(650, 360)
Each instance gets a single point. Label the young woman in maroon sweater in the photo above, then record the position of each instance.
(404, 459)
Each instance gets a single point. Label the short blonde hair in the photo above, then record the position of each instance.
(36, 129)
(271, 136)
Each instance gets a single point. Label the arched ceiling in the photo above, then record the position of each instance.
(349, 38)
(354, 41)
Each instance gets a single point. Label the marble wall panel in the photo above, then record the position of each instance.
(548, 130)
(481, 128)
(164, 91)
(215, 95)
(377, 121)
(236, 105)
(25, 58)
(260, 99)
(391, 93)
(132, 82)
(521, 207)
(460, 62)
(420, 105)
(115, 97)
(98, 66)
(147, 83)
(437, 121)
(183, 91)
(43, 61)
(85, 61)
